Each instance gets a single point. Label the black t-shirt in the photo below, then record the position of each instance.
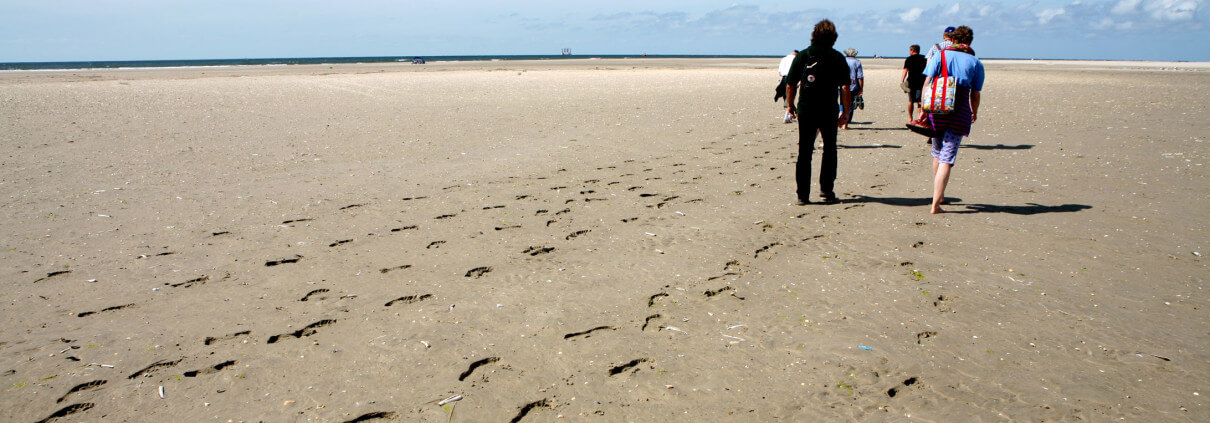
(820, 71)
(915, 66)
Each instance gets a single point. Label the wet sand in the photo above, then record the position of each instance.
(605, 240)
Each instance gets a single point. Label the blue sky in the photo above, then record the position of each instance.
(71, 30)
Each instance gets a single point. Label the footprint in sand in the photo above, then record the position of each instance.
(53, 274)
(535, 251)
(587, 333)
(272, 263)
(614, 371)
(391, 269)
(714, 292)
(67, 411)
(114, 308)
(765, 249)
(409, 299)
(478, 272)
(906, 383)
(210, 339)
(653, 297)
(306, 331)
(943, 305)
(153, 367)
(476, 365)
(210, 370)
(83, 387)
(724, 275)
(198, 280)
(529, 407)
(647, 321)
(377, 415)
(314, 292)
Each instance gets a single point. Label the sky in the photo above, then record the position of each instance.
(88, 30)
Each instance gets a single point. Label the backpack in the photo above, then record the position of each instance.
(811, 70)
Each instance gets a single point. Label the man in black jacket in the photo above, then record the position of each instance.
(822, 73)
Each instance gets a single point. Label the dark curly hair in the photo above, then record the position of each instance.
(963, 35)
(824, 34)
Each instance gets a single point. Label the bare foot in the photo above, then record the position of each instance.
(936, 209)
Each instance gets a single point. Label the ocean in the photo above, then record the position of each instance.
(116, 64)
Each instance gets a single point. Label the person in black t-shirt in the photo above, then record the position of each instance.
(913, 73)
(820, 70)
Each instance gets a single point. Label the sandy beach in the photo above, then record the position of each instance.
(596, 240)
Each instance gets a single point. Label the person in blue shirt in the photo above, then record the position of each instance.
(960, 62)
(856, 83)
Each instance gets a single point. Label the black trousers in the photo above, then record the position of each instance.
(808, 123)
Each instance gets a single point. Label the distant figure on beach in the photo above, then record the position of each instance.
(856, 84)
(783, 69)
(945, 42)
(820, 70)
(967, 70)
(913, 74)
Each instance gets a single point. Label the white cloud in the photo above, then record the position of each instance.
(1046, 15)
(1126, 7)
(911, 15)
(1172, 10)
(953, 10)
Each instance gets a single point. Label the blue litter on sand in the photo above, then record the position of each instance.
(865, 347)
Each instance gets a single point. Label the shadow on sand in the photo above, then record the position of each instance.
(875, 129)
(869, 146)
(997, 147)
(955, 203)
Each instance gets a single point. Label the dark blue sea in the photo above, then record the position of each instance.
(309, 60)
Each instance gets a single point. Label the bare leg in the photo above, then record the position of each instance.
(941, 178)
(911, 108)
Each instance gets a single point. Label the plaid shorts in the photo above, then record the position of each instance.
(945, 149)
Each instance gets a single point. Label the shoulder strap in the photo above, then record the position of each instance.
(944, 68)
(944, 77)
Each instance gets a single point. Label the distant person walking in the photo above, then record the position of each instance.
(856, 84)
(945, 42)
(820, 69)
(783, 69)
(913, 75)
(960, 62)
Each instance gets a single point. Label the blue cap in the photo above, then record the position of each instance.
(949, 29)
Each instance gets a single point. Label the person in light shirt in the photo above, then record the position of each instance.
(783, 69)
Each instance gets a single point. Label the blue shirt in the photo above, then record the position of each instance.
(855, 73)
(966, 69)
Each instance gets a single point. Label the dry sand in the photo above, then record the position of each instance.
(596, 240)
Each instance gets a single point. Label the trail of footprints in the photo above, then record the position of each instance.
(588, 191)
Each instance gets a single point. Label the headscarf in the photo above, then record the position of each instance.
(965, 48)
